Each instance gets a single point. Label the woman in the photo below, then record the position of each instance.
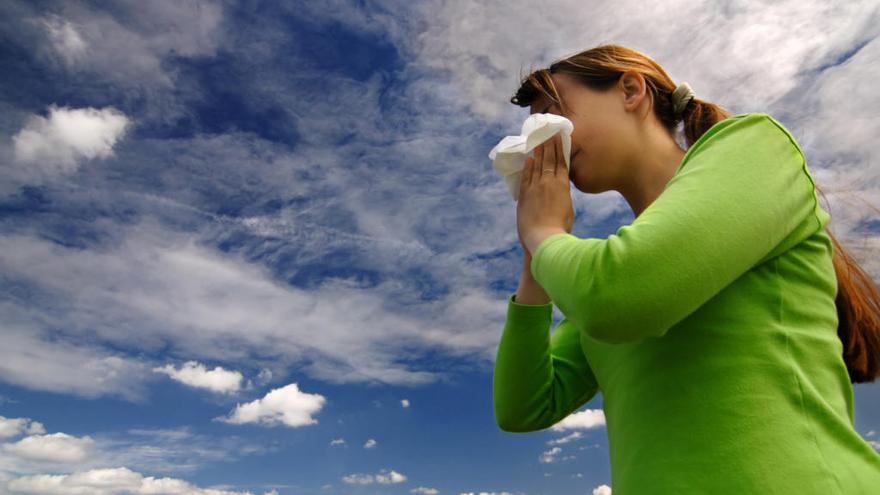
(713, 324)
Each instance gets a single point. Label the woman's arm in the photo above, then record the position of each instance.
(529, 290)
(539, 379)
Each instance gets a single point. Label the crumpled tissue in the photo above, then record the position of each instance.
(509, 155)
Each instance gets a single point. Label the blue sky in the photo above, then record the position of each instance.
(260, 248)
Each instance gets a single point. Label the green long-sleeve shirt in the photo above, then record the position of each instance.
(710, 327)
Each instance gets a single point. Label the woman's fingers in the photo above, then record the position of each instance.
(547, 156)
(550, 156)
(526, 176)
(560, 159)
(539, 162)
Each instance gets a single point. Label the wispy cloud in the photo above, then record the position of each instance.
(157, 450)
(111, 481)
(384, 477)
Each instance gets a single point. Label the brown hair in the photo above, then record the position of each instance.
(599, 68)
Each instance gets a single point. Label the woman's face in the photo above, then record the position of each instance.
(603, 140)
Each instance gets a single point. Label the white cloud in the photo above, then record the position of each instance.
(370, 444)
(35, 428)
(264, 376)
(12, 427)
(591, 446)
(568, 438)
(54, 447)
(384, 477)
(287, 406)
(549, 456)
(197, 375)
(62, 365)
(170, 451)
(588, 418)
(57, 143)
(131, 53)
(65, 39)
(423, 490)
(149, 287)
(404, 402)
(337, 441)
(110, 481)
(602, 490)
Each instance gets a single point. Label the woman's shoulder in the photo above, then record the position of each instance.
(750, 130)
(748, 125)
(734, 124)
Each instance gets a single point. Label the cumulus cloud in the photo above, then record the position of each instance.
(370, 444)
(287, 406)
(602, 490)
(423, 490)
(588, 418)
(59, 142)
(12, 427)
(196, 375)
(110, 481)
(384, 477)
(54, 447)
(404, 403)
(337, 441)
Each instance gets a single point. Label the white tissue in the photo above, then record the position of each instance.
(509, 155)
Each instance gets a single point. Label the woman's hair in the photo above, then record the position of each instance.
(599, 68)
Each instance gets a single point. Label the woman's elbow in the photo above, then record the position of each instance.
(516, 427)
(515, 423)
(506, 421)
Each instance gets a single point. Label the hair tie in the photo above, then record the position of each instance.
(680, 98)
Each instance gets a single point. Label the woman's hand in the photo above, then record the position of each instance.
(544, 206)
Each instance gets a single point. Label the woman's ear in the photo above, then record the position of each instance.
(635, 89)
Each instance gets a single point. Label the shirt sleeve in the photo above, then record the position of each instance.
(741, 192)
(539, 379)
